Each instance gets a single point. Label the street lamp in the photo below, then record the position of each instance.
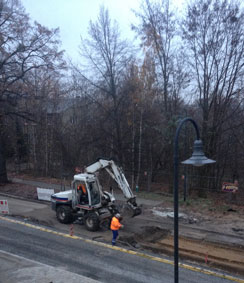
(198, 159)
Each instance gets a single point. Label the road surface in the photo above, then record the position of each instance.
(70, 256)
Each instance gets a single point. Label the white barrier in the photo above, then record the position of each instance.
(44, 194)
(4, 207)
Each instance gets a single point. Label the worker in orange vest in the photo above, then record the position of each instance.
(83, 197)
(82, 188)
(115, 226)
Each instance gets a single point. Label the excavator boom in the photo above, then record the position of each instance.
(117, 174)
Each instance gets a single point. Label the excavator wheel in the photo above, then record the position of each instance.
(64, 214)
(92, 221)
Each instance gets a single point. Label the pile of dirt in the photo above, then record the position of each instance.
(147, 234)
(151, 234)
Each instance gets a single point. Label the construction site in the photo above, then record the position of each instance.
(211, 235)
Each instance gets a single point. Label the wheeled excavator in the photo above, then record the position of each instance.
(88, 202)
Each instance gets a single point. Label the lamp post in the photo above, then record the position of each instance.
(198, 159)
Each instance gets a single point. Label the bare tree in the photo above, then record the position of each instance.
(23, 47)
(214, 35)
(157, 31)
(105, 57)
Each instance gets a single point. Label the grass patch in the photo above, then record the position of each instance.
(150, 196)
(202, 203)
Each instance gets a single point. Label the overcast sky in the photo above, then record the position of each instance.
(73, 16)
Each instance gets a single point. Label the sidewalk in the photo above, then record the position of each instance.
(15, 268)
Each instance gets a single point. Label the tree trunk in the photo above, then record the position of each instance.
(3, 170)
(133, 150)
(139, 152)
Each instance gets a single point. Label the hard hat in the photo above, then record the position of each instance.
(117, 215)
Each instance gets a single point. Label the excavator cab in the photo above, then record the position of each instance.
(86, 193)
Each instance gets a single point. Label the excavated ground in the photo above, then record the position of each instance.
(226, 257)
(149, 231)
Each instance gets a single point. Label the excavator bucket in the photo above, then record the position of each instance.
(128, 211)
(137, 211)
(131, 209)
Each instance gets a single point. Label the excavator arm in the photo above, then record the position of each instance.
(117, 174)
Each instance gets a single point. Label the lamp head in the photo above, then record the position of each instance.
(198, 158)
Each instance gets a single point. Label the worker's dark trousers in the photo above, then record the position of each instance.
(115, 235)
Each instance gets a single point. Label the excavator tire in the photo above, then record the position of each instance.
(92, 221)
(64, 214)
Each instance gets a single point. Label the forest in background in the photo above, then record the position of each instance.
(122, 101)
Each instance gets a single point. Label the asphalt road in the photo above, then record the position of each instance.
(94, 260)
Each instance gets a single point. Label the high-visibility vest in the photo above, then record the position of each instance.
(115, 225)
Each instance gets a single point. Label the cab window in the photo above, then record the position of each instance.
(94, 192)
